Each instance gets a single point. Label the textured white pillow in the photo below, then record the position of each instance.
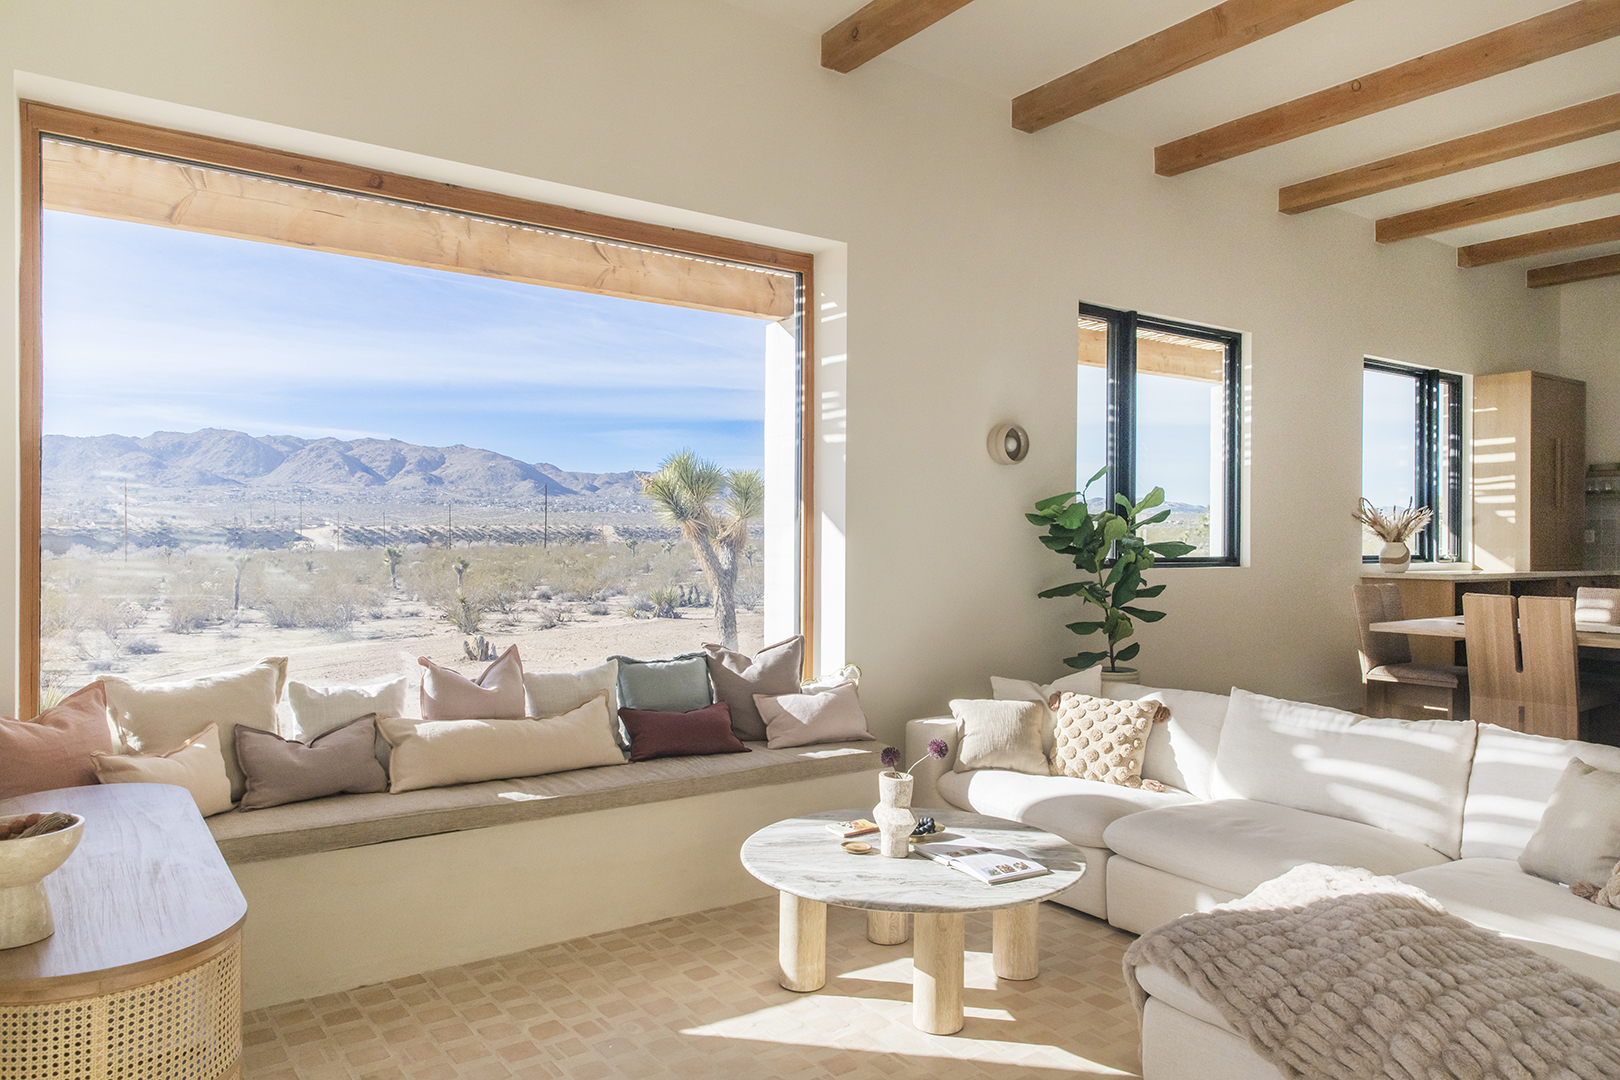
(196, 765)
(319, 709)
(156, 717)
(1087, 682)
(552, 693)
(1408, 777)
(438, 753)
(1000, 735)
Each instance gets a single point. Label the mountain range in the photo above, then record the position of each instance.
(218, 458)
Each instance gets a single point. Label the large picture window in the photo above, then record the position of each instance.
(1158, 404)
(279, 405)
(1411, 452)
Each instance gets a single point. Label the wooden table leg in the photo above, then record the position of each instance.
(888, 927)
(802, 944)
(937, 961)
(1016, 944)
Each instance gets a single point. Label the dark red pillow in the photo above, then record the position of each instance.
(681, 734)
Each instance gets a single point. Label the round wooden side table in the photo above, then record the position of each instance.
(143, 978)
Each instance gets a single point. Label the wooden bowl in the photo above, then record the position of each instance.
(857, 847)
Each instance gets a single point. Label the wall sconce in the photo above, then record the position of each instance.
(1008, 444)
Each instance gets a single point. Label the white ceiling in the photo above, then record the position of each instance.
(1005, 47)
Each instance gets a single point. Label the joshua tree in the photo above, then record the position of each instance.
(689, 491)
(240, 562)
(460, 566)
(632, 543)
(393, 555)
(750, 553)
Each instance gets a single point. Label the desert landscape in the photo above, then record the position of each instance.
(353, 559)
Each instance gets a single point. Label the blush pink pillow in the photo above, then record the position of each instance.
(497, 694)
(53, 749)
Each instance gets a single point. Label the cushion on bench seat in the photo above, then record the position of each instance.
(1235, 844)
(346, 821)
(1077, 810)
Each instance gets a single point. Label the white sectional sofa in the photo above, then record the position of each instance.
(1254, 787)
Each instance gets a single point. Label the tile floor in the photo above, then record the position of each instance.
(697, 997)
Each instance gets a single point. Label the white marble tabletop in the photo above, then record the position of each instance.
(800, 856)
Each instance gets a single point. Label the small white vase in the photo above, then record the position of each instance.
(1394, 557)
(893, 814)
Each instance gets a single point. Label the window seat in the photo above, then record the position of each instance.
(351, 821)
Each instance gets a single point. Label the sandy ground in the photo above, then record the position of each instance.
(374, 649)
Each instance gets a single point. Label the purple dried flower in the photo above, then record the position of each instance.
(937, 749)
(891, 757)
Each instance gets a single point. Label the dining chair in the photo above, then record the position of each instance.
(1391, 684)
(1523, 667)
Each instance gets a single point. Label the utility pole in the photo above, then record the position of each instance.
(545, 515)
(126, 521)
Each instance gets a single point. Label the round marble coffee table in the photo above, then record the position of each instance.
(801, 859)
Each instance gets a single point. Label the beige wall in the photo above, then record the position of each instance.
(968, 245)
(1589, 348)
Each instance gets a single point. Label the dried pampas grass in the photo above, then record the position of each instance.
(1397, 527)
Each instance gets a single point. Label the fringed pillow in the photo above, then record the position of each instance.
(1105, 740)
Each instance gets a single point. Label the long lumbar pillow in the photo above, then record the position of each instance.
(438, 753)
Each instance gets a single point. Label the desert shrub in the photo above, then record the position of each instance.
(189, 614)
(748, 594)
(141, 647)
(464, 612)
(666, 602)
(547, 618)
(639, 603)
(597, 607)
(56, 611)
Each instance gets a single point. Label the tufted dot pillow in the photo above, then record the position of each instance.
(1100, 739)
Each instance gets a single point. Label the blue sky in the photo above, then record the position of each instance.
(1172, 435)
(1388, 439)
(152, 329)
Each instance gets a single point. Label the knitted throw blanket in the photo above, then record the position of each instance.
(1333, 972)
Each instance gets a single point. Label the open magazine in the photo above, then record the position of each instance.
(991, 865)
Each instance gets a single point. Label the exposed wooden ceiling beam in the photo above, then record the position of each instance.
(1542, 132)
(1601, 231)
(1189, 43)
(1495, 205)
(879, 27)
(1571, 27)
(1584, 270)
(129, 187)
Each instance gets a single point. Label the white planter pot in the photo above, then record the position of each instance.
(1122, 675)
(893, 814)
(1394, 558)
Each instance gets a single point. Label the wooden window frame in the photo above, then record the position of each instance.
(42, 120)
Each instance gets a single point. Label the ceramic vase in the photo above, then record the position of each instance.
(1394, 558)
(1120, 675)
(893, 814)
(25, 910)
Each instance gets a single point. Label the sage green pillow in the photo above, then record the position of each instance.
(679, 684)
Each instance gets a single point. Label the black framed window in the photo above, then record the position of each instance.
(1411, 452)
(1158, 404)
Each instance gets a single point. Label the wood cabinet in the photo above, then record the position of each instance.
(1529, 465)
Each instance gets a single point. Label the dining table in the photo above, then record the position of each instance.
(1593, 635)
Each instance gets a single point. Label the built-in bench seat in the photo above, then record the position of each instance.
(348, 821)
(357, 889)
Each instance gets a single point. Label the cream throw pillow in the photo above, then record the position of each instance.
(319, 709)
(1101, 739)
(196, 765)
(552, 693)
(438, 753)
(1088, 681)
(156, 717)
(1000, 735)
(1578, 839)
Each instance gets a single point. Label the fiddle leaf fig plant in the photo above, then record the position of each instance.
(1108, 548)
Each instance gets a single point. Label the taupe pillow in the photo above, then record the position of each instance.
(282, 771)
(1101, 739)
(1578, 839)
(737, 677)
(830, 715)
(1000, 735)
(496, 694)
(196, 765)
